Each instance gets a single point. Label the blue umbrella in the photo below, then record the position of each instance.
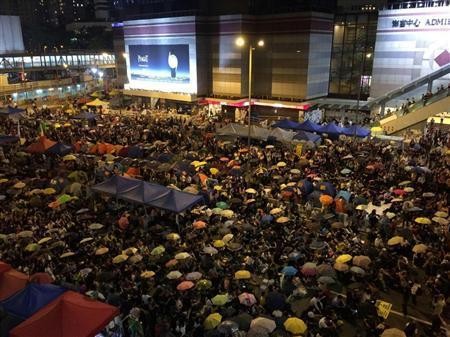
(327, 188)
(289, 271)
(306, 187)
(267, 218)
(344, 194)
(294, 256)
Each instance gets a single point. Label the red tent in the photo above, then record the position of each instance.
(41, 145)
(4, 267)
(11, 281)
(70, 315)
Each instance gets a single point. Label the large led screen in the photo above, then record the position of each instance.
(160, 63)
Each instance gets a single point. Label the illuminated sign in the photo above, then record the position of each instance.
(415, 22)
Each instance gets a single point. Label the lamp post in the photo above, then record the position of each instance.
(240, 42)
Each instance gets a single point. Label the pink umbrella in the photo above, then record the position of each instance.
(247, 299)
(185, 285)
(309, 269)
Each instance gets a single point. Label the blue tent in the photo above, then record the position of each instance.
(144, 193)
(309, 126)
(31, 299)
(332, 130)
(8, 139)
(308, 136)
(60, 149)
(116, 185)
(176, 201)
(357, 131)
(9, 111)
(85, 115)
(286, 124)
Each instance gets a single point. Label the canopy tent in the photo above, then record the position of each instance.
(10, 111)
(116, 185)
(307, 136)
(60, 149)
(281, 135)
(332, 130)
(286, 124)
(356, 131)
(29, 300)
(309, 126)
(237, 130)
(71, 315)
(149, 194)
(97, 102)
(11, 281)
(42, 145)
(8, 139)
(85, 115)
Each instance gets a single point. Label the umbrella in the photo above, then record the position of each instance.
(199, 224)
(341, 267)
(148, 274)
(423, 221)
(44, 240)
(337, 225)
(220, 300)
(222, 205)
(173, 237)
(276, 211)
(420, 248)
(213, 171)
(25, 234)
(185, 285)
(346, 171)
(282, 219)
(95, 226)
(212, 321)
(440, 221)
(242, 275)
(227, 238)
(325, 199)
(266, 218)
(32, 247)
(86, 240)
(344, 258)
(396, 240)
(219, 244)
(441, 214)
(67, 254)
(101, 251)
(408, 189)
(85, 271)
(309, 269)
(263, 323)
(295, 171)
(362, 261)
(325, 270)
(228, 328)
(158, 250)
(210, 250)
(289, 271)
(135, 259)
(357, 270)
(393, 332)
(194, 276)
(204, 284)
(173, 275)
(326, 280)
(404, 183)
(243, 320)
(316, 244)
(247, 299)
(19, 185)
(182, 256)
(295, 325)
(171, 263)
(120, 258)
(227, 213)
(281, 164)
(428, 195)
(361, 207)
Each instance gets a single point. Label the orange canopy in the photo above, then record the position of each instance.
(41, 145)
(11, 281)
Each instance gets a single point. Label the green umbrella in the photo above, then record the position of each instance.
(32, 247)
(220, 300)
(222, 205)
(63, 198)
(158, 250)
(204, 284)
(217, 210)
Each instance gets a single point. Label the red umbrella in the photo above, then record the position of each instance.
(247, 299)
(185, 285)
(309, 269)
(399, 191)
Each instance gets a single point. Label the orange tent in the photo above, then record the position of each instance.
(11, 282)
(42, 145)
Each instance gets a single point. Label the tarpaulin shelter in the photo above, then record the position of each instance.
(60, 149)
(286, 124)
(9, 111)
(97, 102)
(11, 281)
(144, 193)
(332, 130)
(307, 136)
(85, 115)
(8, 139)
(176, 201)
(116, 185)
(71, 315)
(42, 145)
(281, 135)
(356, 131)
(232, 129)
(309, 126)
(32, 298)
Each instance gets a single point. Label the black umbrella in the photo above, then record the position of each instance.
(275, 301)
(243, 320)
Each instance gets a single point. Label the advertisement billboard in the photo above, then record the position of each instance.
(410, 43)
(160, 63)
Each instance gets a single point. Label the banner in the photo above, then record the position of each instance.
(383, 308)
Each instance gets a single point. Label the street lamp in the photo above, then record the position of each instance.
(240, 42)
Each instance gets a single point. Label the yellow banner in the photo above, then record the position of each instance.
(383, 308)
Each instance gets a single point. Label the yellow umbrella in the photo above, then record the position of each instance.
(408, 189)
(281, 164)
(404, 183)
(396, 240)
(130, 251)
(173, 236)
(25, 234)
(19, 185)
(275, 211)
(344, 258)
(32, 247)
(441, 214)
(423, 221)
(295, 325)
(250, 190)
(182, 256)
(227, 238)
(102, 251)
(213, 171)
(212, 321)
(69, 157)
(220, 300)
(44, 240)
(361, 207)
(148, 274)
(49, 191)
(86, 240)
(3, 180)
(120, 258)
(35, 191)
(420, 248)
(242, 275)
(95, 226)
(219, 243)
(282, 219)
(440, 221)
(393, 332)
(227, 213)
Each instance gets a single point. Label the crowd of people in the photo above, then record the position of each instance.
(318, 236)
